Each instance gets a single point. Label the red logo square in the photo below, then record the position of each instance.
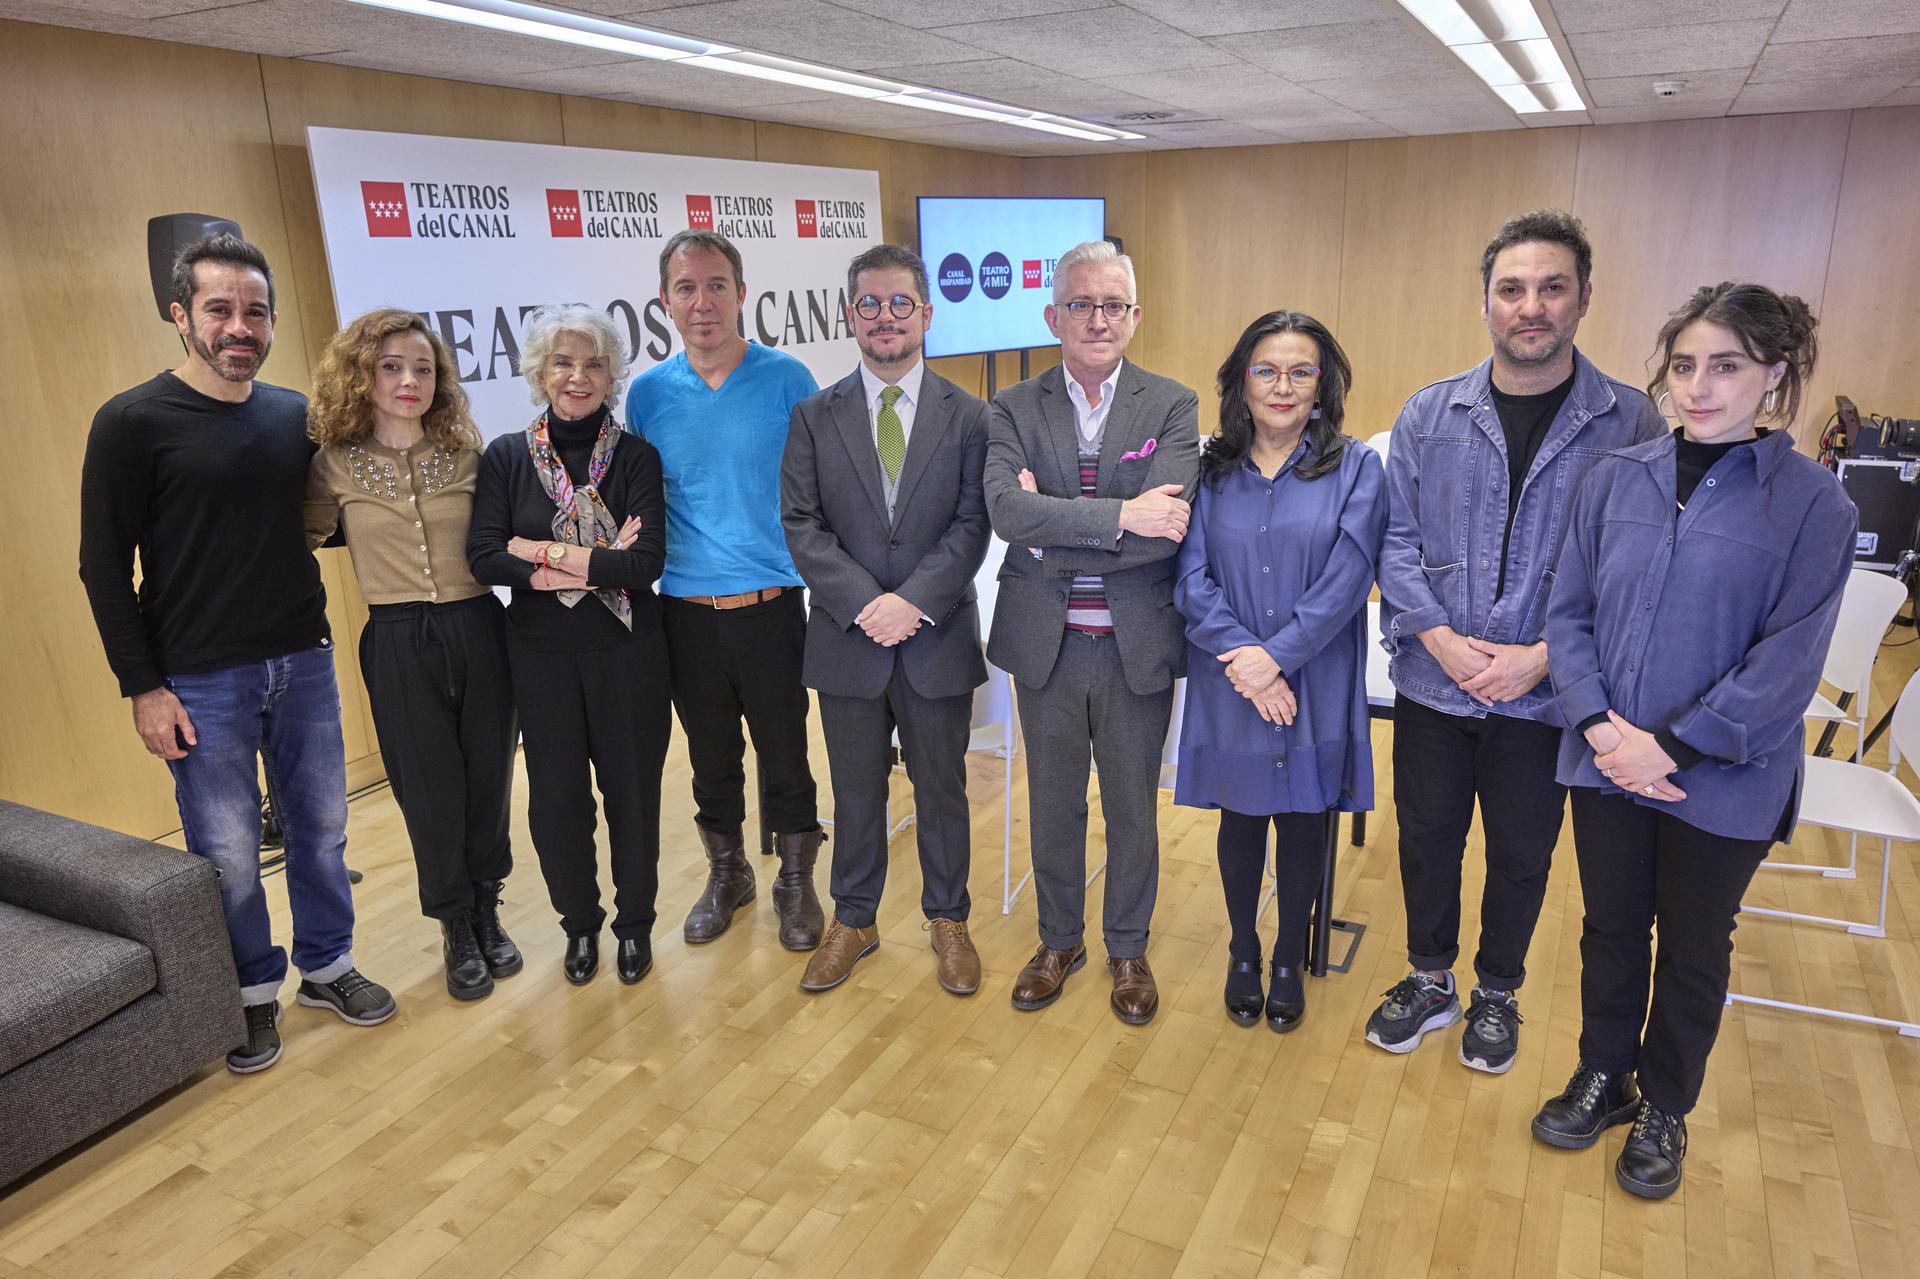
(1030, 274)
(700, 213)
(386, 208)
(563, 213)
(809, 219)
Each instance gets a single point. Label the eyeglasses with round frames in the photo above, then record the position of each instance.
(901, 306)
(1266, 375)
(1083, 308)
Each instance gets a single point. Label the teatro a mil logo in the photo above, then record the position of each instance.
(385, 204)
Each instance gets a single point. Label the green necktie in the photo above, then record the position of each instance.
(892, 437)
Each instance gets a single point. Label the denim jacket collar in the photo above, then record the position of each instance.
(1590, 392)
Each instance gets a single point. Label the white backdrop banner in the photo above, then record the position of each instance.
(475, 235)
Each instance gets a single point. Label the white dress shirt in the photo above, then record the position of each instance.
(1089, 420)
(909, 385)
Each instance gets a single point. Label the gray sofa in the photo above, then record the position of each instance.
(116, 980)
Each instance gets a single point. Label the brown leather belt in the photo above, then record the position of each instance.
(734, 601)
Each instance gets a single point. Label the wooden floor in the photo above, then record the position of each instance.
(715, 1121)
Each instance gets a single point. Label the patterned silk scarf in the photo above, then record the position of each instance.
(582, 518)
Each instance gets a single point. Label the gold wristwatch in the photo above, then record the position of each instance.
(556, 552)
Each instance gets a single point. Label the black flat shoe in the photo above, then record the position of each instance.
(1244, 996)
(1286, 999)
(1592, 1102)
(583, 959)
(1650, 1163)
(634, 959)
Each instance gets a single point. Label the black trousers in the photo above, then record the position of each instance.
(1441, 764)
(1640, 867)
(443, 713)
(933, 737)
(1299, 855)
(743, 661)
(585, 717)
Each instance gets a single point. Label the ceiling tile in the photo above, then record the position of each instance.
(1344, 50)
(1650, 112)
(1023, 84)
(1102, 42)
(850, 115)
(1907, 97)
(1002, 139)
(1815, 95)
(1654, 50)
(1226, 17)
(1342, 132)
(1839, 59)
(664, 84)
(812, 30)
(1637, 91)
(946, 13)
(1580, 16)
(89, 18)
(1296, 119)
(1416, 121)
(56, 14)
(1211, 133)
(1836, 19)
(304, 28)
(1375, 93)
(1207, 90)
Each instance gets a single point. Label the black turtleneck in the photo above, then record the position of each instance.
(509, 501)
(1692, 461)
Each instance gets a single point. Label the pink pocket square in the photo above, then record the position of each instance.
(1145, 450)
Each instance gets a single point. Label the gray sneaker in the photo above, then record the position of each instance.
(1415, 1005)
(1493, 1031)
(356, 999)
(262, 1048)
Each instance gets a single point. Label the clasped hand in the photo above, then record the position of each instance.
(1485, 671)
(570, 573)
(1632, 759)
(888, 620)
(1256, 676)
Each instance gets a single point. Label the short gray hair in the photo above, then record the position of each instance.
(545, 328)
(1092, 253)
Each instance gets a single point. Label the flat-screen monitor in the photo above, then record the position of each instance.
(990, 266)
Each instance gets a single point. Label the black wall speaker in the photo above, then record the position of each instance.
(166, 236)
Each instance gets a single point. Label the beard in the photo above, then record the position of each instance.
(1558, 342)
(233, 359)
(908, 353)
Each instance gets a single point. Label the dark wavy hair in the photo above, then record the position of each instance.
(1774, 328)
(1228, 446)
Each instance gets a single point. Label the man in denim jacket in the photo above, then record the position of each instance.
(1481, 472)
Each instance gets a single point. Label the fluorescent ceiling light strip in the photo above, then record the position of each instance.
(1520, 97)
(921, 100)
(759, 66)
(1518, 61)
(1044, 119)
(1065, 131)
(553, 24)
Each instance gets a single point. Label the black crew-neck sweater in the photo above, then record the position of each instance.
(209, 495)
(509, 501)
(1524, 421)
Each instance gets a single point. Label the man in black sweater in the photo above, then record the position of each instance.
(224, 650)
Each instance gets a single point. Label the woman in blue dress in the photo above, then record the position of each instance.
(1273, 581)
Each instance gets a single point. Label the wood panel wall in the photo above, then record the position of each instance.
(1381, 239)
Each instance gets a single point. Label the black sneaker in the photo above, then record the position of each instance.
(1492, 1035)
(1649, 1164)
(262, 1048)
(1414, 1006)
(356, 999)
(1592, 1102)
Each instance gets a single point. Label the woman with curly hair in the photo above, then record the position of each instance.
(396, 466)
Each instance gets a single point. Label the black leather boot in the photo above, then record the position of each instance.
(1592, 1102)
(582, 959)
(801, 919)
(1286, 999)
(467, 975)
(633, 958)
(729, 885)
(503, 957)
(1649, 1164)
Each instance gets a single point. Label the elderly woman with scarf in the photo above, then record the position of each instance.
(570, 513)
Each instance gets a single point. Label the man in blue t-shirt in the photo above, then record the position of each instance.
(718, 413)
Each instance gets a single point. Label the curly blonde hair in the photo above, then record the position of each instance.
(340, 410)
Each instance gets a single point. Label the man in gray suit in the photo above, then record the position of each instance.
(884, 513)
(1090, 469)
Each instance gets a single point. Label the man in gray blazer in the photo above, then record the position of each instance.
(884, 513)
(1090, 469)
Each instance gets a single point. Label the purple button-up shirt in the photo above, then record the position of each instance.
(1285, 564)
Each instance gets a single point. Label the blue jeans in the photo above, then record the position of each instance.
(287, 710)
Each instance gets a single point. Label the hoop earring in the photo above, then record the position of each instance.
(1663, 405)
(1770, 401)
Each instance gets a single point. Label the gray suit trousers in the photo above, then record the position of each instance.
(933, 738)
(1085, 710)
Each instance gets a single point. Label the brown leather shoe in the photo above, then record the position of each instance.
(1135, 998)
(801, 918)
(1045, 975)
(729, 885)
(959, 966)
(839, 951)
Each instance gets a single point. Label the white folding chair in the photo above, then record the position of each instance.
(1842, 795)
(1378, 443)
(1867, 608)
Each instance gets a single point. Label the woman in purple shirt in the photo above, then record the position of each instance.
(1273, 582)
(1696, 591)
